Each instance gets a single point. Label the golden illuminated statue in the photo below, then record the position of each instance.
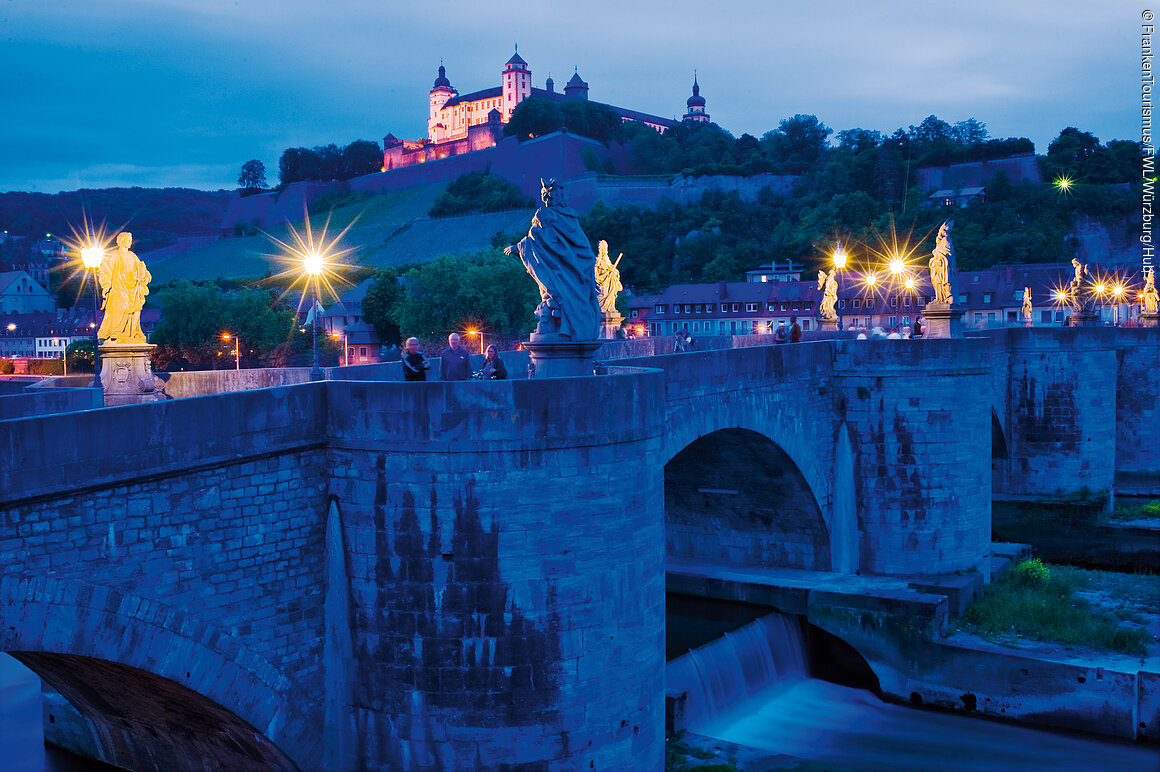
(607, 280)
(829, 286)
(1027, 304)
(1149, 298)
(124, 285)
(942, 266)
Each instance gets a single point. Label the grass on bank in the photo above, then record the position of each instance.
(1104, 610)
(1150, 510)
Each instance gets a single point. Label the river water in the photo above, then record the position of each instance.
(750, 687)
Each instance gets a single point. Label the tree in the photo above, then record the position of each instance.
(378, 305)
(593, 120)
(253, 174)
(534, 117)
(797, 143)
(488, 288)
(290, 165)
(79, 355)
(361, 157)
(1069, 153)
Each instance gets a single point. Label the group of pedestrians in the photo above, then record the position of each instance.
(792, 334)
(454, 362)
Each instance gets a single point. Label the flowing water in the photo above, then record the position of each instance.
(750, 687)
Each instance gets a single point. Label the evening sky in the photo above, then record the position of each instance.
(99, 93)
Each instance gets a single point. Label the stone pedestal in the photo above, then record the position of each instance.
(556, 358)
(828, 325)
(1149, 320)
(1084, 319)
(943, 321)
(127, 374)
(1028, 323)
(609, 325)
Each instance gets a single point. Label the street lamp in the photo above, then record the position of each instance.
(92, 256)
(345, 347)
(312, 264)
(473, 333)
(840, 258)
(237, 349)
(1118, 294)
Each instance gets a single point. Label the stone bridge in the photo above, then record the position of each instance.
(369, 574)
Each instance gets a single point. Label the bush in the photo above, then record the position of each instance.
(478, 191)
(334, 200)
(46, 367)
(1031, 573)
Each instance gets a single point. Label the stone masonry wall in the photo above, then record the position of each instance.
(1061, 413)
(507, 575)
(205, 570)
(918, 414)
(1137, 411)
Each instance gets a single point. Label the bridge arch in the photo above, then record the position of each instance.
(156, 687)
(736, 495)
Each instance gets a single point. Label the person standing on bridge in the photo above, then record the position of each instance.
(414, 363)
(795, 330)
(455, 362)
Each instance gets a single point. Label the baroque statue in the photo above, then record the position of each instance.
(1075, 289)
(829, 286)
(607, 280)
(559, 257)
(1149, 298)
(124, 284)
(942, 266)
(1027, 304)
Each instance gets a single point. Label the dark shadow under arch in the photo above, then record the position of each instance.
(735, 497)
(144, 721)
(999, 455)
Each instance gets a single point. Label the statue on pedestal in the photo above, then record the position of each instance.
(828, 283)
(559, 257)
(124, 285)
(942, 266)
(607, 280)
(1075, 289)
(1026, 305)
(1149, 298)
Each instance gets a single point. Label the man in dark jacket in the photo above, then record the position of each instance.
(455, 362)
(795, 330)
(414, 364)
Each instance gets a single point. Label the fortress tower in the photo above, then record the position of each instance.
(440, 94)
(696, 104)
(517, 84)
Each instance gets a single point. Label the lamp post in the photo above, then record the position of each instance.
(345, 347)
(840, 258)
(312, 264)
(473, 333)
(92, 256)
(237, 349)
(1118, 294)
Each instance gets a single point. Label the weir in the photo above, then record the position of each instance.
(752, 687)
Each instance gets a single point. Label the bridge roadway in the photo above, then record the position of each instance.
(370, 574)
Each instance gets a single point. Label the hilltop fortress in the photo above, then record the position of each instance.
(458, 124)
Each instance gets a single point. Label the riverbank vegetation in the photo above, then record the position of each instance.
(1104, 610)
